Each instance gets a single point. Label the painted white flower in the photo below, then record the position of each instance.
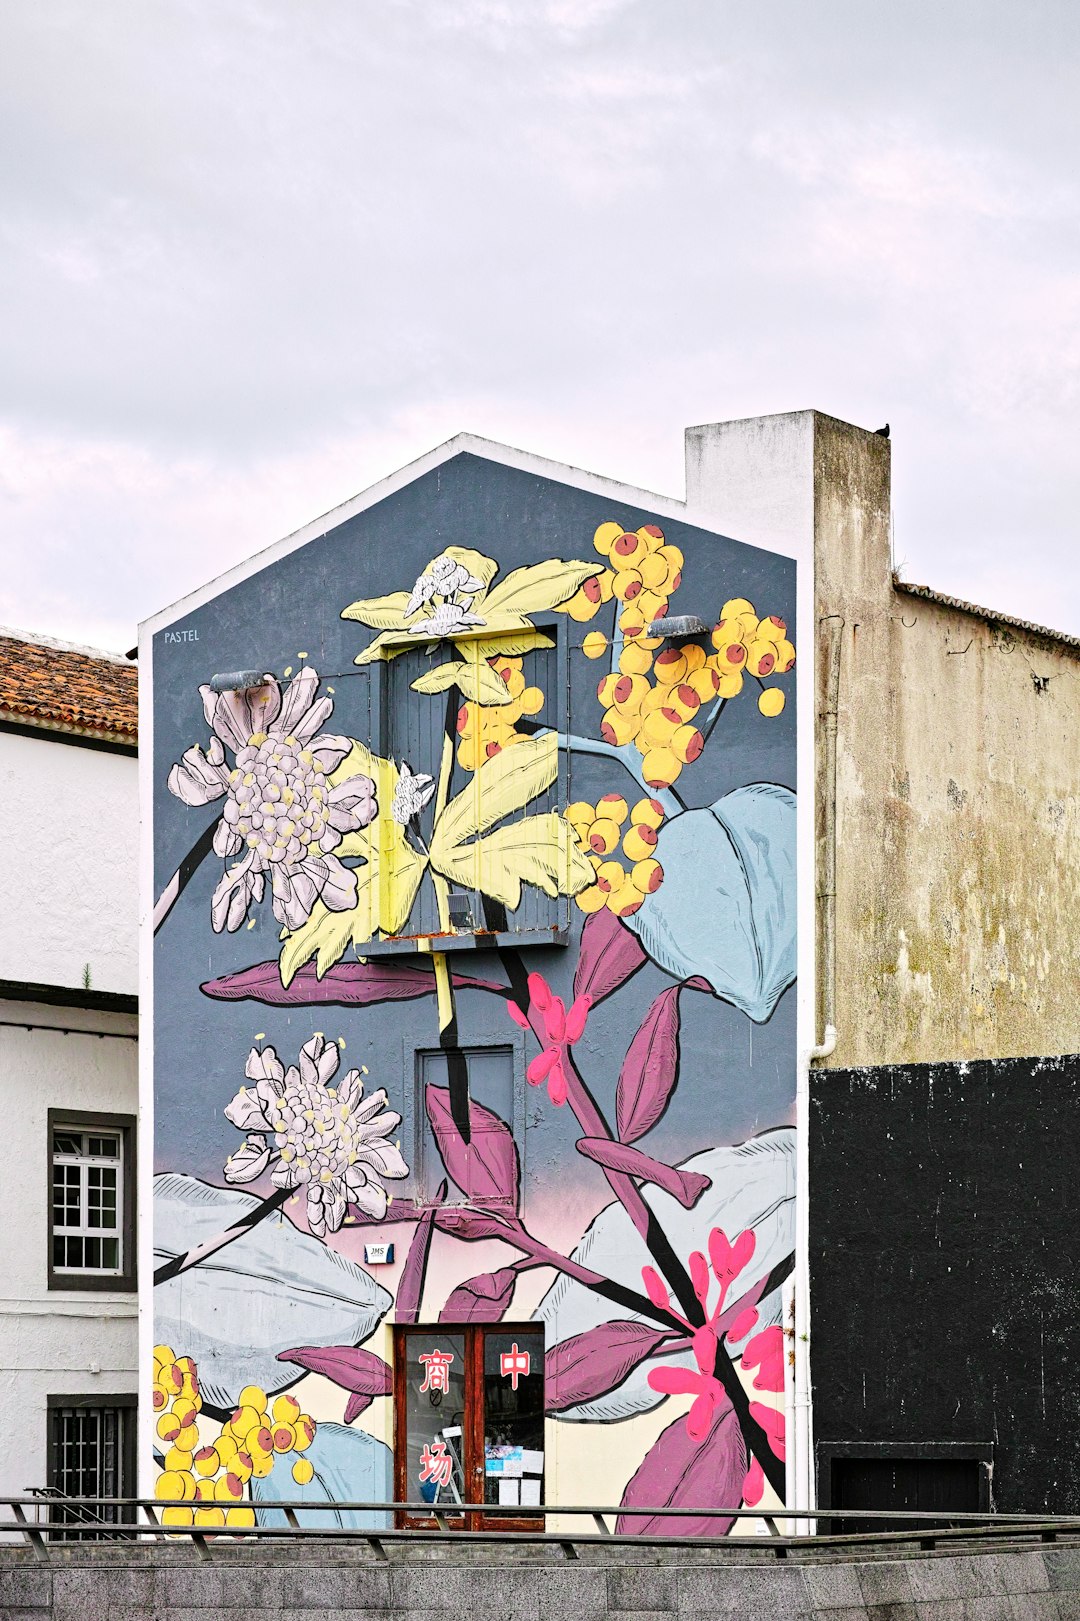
(443, 577)
(448, 619)
(412, 793)
(332, 1141)
(281, 815)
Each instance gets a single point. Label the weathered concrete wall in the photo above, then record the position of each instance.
(958, 814)
(301, 1583)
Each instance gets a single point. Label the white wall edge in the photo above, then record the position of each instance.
(144, 1470)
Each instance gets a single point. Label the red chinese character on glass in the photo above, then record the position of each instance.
(515, 1365)
(436, 1464)
(436, 1370)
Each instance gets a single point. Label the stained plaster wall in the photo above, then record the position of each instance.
(958, 818)
(72, 908)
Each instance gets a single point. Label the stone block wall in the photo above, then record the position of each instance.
(321, 1582)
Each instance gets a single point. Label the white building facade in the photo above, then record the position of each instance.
(68, 1067)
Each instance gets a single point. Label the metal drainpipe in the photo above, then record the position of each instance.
(802, 1482)
(833, 624)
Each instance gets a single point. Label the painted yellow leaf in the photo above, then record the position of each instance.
(503, 785)
(476, 679)
(507, 645)
(537, 587)
(381, 613)
(539, 850)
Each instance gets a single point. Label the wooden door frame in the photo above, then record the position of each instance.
(472, 1429)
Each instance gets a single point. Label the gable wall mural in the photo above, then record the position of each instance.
(474, 1053)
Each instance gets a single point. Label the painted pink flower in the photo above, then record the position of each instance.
(702, 1384)
(727, 1261)
(555, 1029)
(765, 1352)
(281, 814)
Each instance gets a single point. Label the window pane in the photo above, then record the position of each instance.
(92, 1252)
(74, 1252)
(491, 1084)
(434, 1376)
(110, 1253)
(67, 1142)
(105, 1147)
(514, 1417)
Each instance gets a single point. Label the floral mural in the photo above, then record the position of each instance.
(614, 1206)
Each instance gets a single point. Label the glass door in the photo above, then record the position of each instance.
(513, 1422)
(469, 1423)
(429, 1452)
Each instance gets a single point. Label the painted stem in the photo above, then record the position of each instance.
(184, 1263)
(718, 707)
(457, 1069)
(184, 874)
(541, 1255)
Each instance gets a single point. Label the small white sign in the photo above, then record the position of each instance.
(378, 1254)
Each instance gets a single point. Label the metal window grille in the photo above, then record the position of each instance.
(87, 1201)
(89, 1447)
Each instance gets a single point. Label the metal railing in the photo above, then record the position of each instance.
(126, 1518)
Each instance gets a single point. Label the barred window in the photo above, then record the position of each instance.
(91, 1455)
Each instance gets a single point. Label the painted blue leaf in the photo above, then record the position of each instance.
(350, 1467)
(272, 1288)
(752, 1185)
(726, 909)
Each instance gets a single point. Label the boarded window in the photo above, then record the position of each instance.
(494, 1085)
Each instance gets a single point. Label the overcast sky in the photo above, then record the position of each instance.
(254, 254)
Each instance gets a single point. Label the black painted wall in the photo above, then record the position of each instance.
(945, 1265)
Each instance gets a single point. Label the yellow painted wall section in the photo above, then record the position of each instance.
(958, 801)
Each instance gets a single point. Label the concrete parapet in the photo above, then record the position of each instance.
(312, 1581)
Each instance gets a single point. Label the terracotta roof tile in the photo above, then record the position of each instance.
(69, 689)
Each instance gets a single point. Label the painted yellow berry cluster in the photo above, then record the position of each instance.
(600, 830)
(642, 573)
(204, 1484)
(746, 645)
(485, 729)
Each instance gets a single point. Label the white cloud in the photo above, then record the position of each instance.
(251, 258)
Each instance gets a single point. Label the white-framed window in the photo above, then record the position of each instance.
(90, 1173)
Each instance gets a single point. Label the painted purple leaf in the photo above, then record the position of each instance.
(650, 1069)
(679, 1473)
(608, 956)
(351, 984)
(353, 1369)
(410, 1290)
(486, 1169)
(685, 1186)
(355, 1405)
(590, 1364)
(482, 1299)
